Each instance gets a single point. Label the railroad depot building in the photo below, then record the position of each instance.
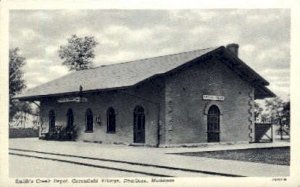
(191, 97)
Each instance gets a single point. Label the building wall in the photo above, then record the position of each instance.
(174, 102)
(123, 101)
(186, 119)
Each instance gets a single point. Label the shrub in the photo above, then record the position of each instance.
(62, 133)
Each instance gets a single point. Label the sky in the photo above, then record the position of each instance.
(123, 35)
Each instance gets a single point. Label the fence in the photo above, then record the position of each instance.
(23, 132)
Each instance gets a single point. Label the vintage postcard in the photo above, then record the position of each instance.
(119, 94)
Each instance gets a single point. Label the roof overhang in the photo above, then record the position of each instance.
(65, 94)
(263, 92)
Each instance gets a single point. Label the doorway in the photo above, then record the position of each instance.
(213, 124)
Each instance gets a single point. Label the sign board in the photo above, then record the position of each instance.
(213, 97)
(263, 121)
(72, 99)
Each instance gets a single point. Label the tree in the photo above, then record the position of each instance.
(257, 110)
(274, 108)
(286, 114)
(279, 112)
(78, 53)
(16, 83)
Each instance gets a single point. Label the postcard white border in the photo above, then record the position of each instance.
(294, 5)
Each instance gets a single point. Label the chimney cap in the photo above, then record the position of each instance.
(232, 45)
(233, 48)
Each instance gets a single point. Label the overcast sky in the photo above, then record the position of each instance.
(263, 36)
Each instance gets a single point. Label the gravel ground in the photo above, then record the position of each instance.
(278, 156)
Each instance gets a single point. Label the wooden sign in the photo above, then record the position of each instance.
(72, 99)
(213, 97)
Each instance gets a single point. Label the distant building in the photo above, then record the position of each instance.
(191, 97)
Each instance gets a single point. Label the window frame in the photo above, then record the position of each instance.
(70, 114)
(51, 116)
(110, 123)
(89, 128)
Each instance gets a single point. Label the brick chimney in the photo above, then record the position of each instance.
(234, 48)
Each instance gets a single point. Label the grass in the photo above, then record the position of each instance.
(278, 156)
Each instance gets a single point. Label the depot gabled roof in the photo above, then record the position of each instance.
(128, 74)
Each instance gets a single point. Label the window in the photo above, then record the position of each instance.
(139, 125)
(89, 120)
(70, 119)
(51, 120)
(111, 120)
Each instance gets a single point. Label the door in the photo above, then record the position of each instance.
(213, 124)
(139, 125)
